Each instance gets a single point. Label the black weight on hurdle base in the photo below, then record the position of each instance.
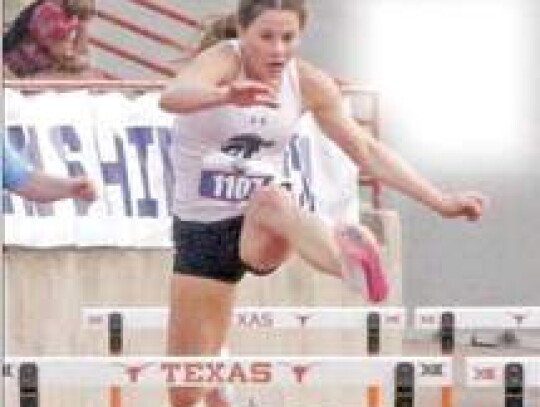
(28, 385)
(448, 333)
(404, 385)
(116, 333)
(513, 385)
(116, 346)
(373, 333)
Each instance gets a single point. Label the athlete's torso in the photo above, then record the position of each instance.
(221, 154)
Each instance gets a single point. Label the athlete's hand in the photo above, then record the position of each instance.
(82, 188)
(246, 93)
(470, 205)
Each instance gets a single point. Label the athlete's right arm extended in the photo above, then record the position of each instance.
(209, 80)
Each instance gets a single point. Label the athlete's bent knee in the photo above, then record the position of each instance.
(271, 196)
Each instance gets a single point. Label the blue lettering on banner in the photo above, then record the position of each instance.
(165, 141)
(141, 138)
(66, 135)
(298, 159)
(26, 144)
(115, 173)
(7, 203)
(231, 187)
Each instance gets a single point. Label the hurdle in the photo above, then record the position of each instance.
(446, 321)
(403, 376)
(513, 374)
(374, 320)
(143, 318)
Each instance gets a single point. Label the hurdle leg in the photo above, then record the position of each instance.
(404, 385)
(29, 385)
(374, 392)
(447, 396)
(374, 396)
(513, 385)
(116, 342)
(115, 396)
(448, 346)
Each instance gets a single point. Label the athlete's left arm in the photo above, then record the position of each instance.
(322, 96)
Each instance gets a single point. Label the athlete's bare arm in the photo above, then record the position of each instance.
(322, 96)
(210, 80)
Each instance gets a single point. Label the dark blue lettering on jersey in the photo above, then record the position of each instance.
(230, 186)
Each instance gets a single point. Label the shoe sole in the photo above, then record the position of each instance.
(363, 260)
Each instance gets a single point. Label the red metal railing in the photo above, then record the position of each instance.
(163, 9)
(372, 122)
(97, 84)
(169, 11)
(131, 56)
(138, 29)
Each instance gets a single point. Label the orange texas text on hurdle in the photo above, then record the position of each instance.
(211, 372)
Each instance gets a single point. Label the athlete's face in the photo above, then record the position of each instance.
(269, 42)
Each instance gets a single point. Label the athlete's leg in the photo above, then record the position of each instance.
(206, 269)
(347, 251)
(261, 248)
(274, 215)
(200, 316)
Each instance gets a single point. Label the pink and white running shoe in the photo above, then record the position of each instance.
(362, 268)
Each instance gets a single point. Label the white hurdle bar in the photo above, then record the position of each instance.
(513, 374)
(217, 371)
(490, 371)
(372, 320)
(255, 317)
(480, 317)
(448, 320)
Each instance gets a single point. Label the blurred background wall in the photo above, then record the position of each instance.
(460, 88)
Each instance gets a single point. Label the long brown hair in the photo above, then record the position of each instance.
(249, 10)
(83, 9)
(18, 29)
(226, 26)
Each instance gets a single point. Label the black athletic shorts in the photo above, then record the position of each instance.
(209, 250)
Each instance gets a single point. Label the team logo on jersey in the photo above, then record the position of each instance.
(234, 174)
(245, 145)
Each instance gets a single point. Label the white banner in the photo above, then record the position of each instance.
(122, 144)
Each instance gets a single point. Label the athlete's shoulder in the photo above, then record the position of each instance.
(220, 61)
(317, 87)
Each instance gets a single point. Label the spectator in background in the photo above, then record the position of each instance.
(37, 186)
(48, 37)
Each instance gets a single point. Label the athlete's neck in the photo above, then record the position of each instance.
(250, 73)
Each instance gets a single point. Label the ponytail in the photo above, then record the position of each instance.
(218, 29)
(82, 9)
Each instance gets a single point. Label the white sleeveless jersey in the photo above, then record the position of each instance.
(221, 154)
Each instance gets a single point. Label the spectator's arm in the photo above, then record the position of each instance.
(15, 171)
(41, 187)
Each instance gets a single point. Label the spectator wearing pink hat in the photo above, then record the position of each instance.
(47, 37)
